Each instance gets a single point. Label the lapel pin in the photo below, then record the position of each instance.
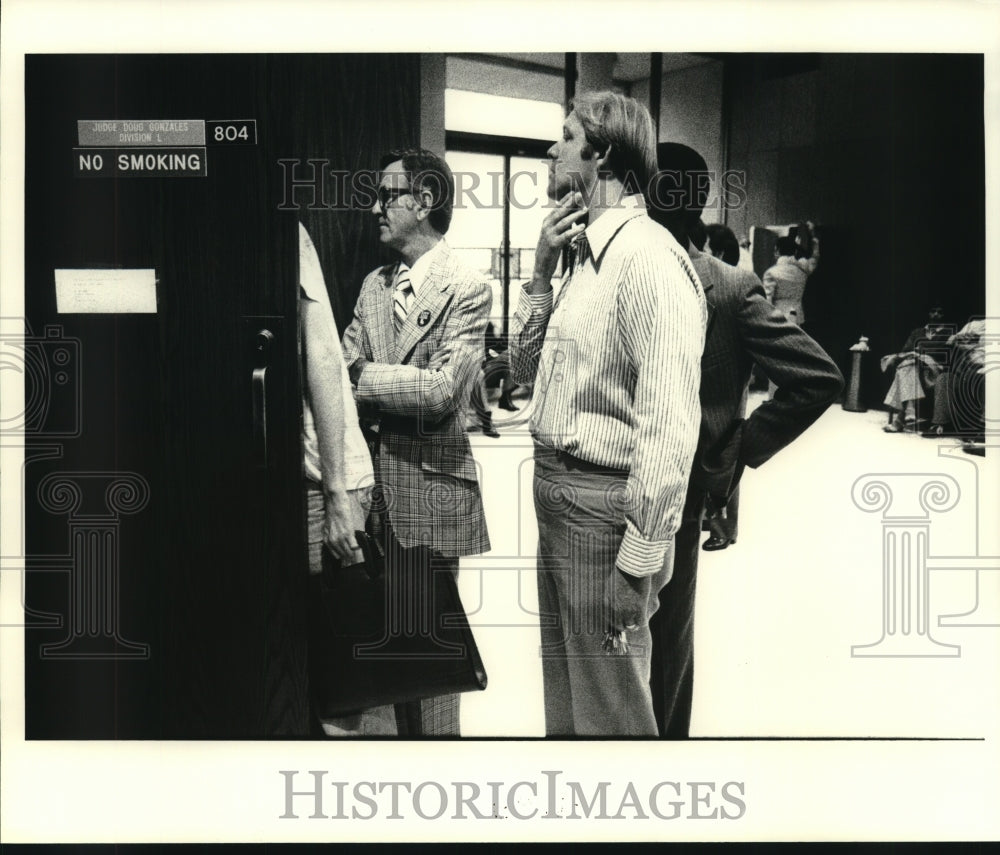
(423, 318)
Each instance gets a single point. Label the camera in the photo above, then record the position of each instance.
(49, 366)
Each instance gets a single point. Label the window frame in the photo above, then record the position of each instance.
(505, 147)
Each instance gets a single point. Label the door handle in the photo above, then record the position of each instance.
(262, 349)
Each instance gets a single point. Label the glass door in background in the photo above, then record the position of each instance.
(477, 226)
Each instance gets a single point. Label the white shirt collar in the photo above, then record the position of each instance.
(422, 266)
(600, 232)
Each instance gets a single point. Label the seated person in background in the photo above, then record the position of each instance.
(915, 371)
(722, 243)
(959, 392)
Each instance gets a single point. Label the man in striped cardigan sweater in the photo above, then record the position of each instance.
(614, 359)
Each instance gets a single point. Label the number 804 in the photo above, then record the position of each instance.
(234, 132)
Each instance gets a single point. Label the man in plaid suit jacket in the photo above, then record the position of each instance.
(413, 351)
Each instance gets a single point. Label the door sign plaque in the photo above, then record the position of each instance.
(141, 162)
(146, 132)
(154, 148)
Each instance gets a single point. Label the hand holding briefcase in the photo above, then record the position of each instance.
(388, 632)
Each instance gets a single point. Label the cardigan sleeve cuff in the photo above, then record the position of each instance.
(639, 556)
(532, 305)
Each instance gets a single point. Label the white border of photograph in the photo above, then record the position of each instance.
(752, 789)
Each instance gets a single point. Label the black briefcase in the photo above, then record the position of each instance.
(387, 635)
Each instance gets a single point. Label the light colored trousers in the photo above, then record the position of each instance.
(580, 527)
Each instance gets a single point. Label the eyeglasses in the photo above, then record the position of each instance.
(387, 195)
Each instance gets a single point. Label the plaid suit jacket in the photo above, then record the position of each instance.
(744, 328)
(427, 477)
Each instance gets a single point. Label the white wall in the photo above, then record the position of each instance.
(480, 76)
(691, 113)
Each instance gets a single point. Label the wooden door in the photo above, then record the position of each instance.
(163, 522)
(164, 530)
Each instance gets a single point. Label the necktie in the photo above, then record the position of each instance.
(580, 249)
(402, 297)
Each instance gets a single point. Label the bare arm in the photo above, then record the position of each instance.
(324, 378)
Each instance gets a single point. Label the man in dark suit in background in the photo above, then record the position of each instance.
(743, 328)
